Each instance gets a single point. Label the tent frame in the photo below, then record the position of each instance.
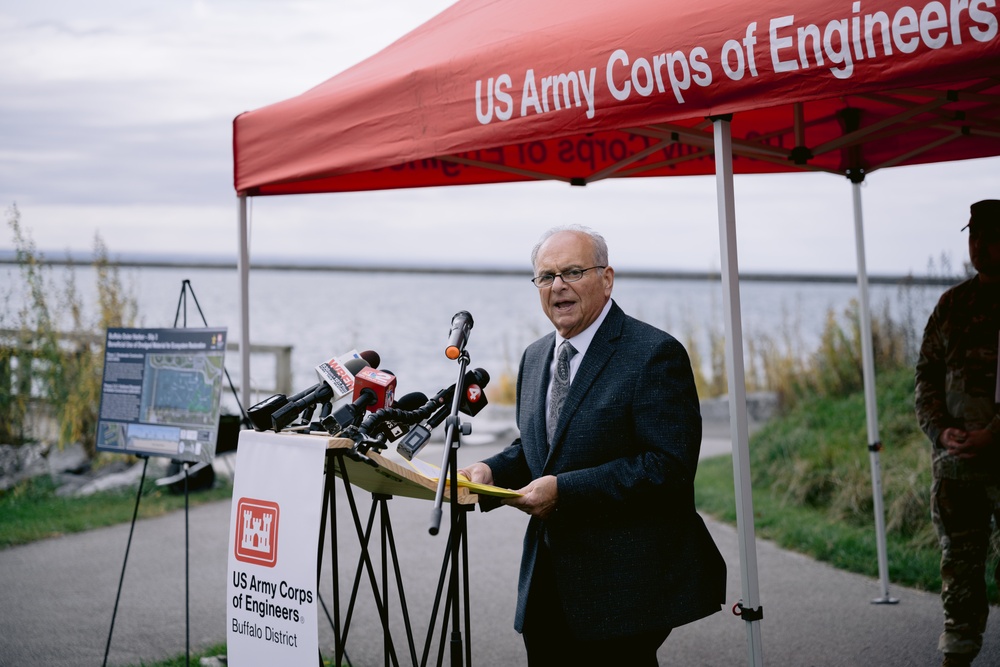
(913, 111)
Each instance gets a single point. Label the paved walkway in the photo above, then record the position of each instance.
(58, 596)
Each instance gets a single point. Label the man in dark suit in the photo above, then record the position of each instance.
(615, 555)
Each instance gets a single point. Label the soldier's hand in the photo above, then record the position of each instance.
(965, 444)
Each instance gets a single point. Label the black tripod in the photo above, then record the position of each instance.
(379, 509)
(185, 469)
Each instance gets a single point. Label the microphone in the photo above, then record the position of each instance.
(335, 373)
(394, 426)
(472, 402)
(391, 423)
(378, 386)
(461, 324)
(324, 391)
(472, 386)
(260, 414)
(342, 373)
(418, 436)
(373, 389)
(473, 397)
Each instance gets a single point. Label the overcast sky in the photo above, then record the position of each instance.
(116, 119)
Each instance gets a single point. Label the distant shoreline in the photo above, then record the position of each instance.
(7, 257)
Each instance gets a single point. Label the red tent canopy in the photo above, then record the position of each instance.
(515, 90)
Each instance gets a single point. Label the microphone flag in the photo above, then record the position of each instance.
(335, 373)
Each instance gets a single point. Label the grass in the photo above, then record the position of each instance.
(181, 660)
(32, 511)
(802, 529)
(812, 488)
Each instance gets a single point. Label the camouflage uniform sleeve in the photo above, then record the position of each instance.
(931, 408)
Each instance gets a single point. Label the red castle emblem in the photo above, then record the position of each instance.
(257, 532)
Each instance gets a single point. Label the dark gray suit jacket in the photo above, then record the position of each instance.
(631, 554)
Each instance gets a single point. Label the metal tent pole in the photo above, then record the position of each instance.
(243, 268)
(871, 407)
(749, 605)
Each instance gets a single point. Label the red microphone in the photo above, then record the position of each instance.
(378, 386)
(373, 390)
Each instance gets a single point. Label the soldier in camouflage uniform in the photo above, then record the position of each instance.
(956, 387)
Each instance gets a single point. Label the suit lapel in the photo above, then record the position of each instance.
(539, 363)
(601, 349)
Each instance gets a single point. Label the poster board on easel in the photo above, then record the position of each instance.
(161, 392)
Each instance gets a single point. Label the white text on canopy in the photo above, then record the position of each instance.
(788, 45)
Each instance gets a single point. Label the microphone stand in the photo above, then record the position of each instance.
(453, 424)
(449, 469)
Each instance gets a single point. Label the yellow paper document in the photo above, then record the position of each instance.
(432, 472)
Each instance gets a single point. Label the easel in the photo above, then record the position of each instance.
(186, 465)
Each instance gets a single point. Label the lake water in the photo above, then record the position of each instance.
(406, 317)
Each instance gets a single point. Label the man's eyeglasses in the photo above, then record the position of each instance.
(570, 276)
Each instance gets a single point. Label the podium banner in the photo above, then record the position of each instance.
(271, 593)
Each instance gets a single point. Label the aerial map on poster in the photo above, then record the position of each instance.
(161, 392)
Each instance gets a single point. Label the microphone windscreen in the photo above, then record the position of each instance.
(412, 401)
(355, 365)
(371, 356)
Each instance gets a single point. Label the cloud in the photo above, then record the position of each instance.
(116, 118)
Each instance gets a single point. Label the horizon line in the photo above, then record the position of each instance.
(137, 260)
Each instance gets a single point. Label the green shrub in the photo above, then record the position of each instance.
(51, 359)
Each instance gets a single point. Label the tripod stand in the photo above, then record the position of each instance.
(384, 479)
(186, 467)
(336, 467)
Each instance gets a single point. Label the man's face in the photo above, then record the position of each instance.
(984, 249)
(572, 307)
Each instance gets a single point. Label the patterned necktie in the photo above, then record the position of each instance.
(560, 386)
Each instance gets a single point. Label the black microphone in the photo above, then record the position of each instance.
(385, 424)
(472, 402)
(319, 393)
(260, 414)
(473, 396)
(461, 324)
(396, 422)
(478, 378)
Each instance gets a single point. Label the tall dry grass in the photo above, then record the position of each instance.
(51, 361)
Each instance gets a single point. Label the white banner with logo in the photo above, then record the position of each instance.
(273, 539)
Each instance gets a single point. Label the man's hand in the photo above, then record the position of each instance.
(538, 498)
(478, 473)
(965, 444)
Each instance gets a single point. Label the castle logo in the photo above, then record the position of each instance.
(257, 532)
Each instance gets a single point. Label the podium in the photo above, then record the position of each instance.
(384, 479)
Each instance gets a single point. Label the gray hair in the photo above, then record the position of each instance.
(598, 242)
